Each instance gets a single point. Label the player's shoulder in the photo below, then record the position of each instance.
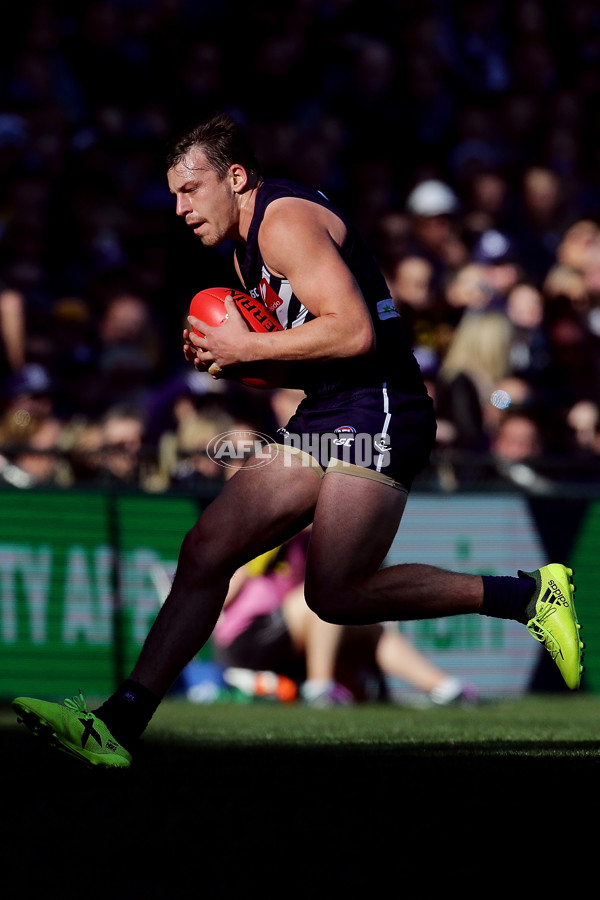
(296, 214)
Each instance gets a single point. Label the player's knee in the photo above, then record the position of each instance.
(200, 553)
(325, 603)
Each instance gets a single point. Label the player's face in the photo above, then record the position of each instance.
(207, 203)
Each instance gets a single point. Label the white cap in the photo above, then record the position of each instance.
(432, 198)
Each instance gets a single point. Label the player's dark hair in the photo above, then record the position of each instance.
(223, 142)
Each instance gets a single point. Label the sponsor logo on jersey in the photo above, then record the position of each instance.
(269, 297)
(387, 310)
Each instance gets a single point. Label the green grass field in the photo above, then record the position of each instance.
(262, 800)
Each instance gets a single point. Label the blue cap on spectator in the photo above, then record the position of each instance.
(31, 380)
(493, 248)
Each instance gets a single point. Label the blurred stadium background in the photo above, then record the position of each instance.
(488, 108)
(498, 102)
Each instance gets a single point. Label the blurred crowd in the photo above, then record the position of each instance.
(462, 137)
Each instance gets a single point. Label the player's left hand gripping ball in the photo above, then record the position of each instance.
(209, 306)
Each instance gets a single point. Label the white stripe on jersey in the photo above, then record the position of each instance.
(285, 294)
(386, 422)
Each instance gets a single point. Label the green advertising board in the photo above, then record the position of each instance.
(82, 576)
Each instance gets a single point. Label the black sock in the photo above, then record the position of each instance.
(506, 597)
(127, 712)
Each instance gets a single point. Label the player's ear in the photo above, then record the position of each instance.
(239, 178)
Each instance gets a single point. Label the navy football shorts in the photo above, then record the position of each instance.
(376, 433)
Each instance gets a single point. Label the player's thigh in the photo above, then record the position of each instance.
(355, 522)
(259, 508)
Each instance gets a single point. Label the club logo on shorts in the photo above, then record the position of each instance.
(344, 435)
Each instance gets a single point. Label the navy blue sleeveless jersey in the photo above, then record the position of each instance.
(392, 363)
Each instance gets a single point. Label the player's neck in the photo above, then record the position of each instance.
(247, 201)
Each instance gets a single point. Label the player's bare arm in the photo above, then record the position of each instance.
(294, 232)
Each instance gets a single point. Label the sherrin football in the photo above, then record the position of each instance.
(209, 306)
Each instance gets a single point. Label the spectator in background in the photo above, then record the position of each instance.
(573, 371)
(433, 207)
(31, 430)
(31, 455)
(511, 137)
(477, 358)
(525, 309)
(518, 449)
(466, 289)
(72, 352)
(389, 241)
(121, 441)
(495, 251)
(576, 275)
(130, 357)
(582, 443)
(38, 460)
(488, 204)
(182, 452)
(566, 283)
(12, 331)
(579, 245)
(83, 440)
(419, 305)
(542, 221)
(29, 392)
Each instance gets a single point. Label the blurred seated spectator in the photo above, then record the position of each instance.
(583, 418)
(267, 626)
(578, 244)
(488, 203)
(29, 391)
(12, 331)
(565, 282)
(177, 395)
(31, 455)
(420, 307)
(130, 358)
(410, 285)
(575, 277)
(529, 354)
(542, 221)
(71, 350)
(519, 437)
(183, 461)
(83, 440)
(467, 288)
(433, 207)
(573, 371)
(497, 253)
(477, 358)
(389, 240)
(582, 444)
(518, 450)
(120, 450)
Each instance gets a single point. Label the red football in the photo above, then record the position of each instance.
(209, 306)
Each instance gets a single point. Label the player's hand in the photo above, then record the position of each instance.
(221, 345)
(192, 344)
